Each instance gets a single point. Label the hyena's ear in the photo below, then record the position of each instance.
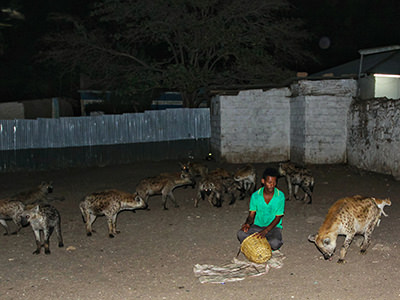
(311, 237)
(36, 208)
(327, 241)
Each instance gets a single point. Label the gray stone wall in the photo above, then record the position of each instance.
(374, 136)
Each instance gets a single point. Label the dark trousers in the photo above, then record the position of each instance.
(274, 237)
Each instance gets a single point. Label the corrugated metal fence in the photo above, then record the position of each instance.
(102, 140)
(150, 126)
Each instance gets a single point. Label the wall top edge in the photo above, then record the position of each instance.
(337, 87)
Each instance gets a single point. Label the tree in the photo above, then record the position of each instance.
(181, 45)
(8, 15)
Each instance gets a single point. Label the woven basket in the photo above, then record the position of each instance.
(256, 249)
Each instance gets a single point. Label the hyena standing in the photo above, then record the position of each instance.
(11, 210)
(298, 177)
(37, 195)
(246, 179)
(108, 203)
(349, 216)
(163, 184)
(215, 189)
(43, 218)
(215, 186)
(195, 168)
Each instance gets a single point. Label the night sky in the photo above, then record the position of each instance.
(339, 29)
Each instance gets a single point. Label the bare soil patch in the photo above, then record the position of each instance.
(154, 255)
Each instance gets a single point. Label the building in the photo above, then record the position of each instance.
(377, 71)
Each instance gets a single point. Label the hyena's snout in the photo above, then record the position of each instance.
(25, 220)
(326, 253)
(327, 256)
(207, 192)
(139, 203)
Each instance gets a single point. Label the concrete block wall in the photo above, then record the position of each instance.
(326, 105)
(326, 129)
(297, 129)
(252, 126)
(306, 123)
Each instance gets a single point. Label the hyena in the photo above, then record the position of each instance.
(195, 169)
(43, 218)
(349, 216)
(298, 177)
(213, 186)
(246, 179)
(11, 210)
(219, 173)
(214, 189)
(108, 203)
(163, 184)
(37, 195)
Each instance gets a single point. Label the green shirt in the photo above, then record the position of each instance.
(266, 213)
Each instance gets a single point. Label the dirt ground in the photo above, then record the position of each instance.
(154, 255)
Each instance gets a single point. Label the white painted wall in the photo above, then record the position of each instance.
(315, 122)
(319, 112)
(253, 126)
(306, 123)
(388, 87)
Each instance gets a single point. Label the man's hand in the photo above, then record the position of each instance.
(245, 227)
(261, 234)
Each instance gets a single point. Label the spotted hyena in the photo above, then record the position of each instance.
(219, 172)
(215, 189)
(11, 210)
(163, 184)
(108, 203)
(246, 179)
(195, 168)
(37, 195)
(43, 218)
(349, 216)
(298, 177)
